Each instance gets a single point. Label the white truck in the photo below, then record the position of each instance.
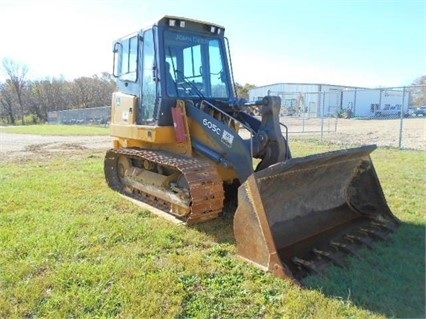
(391, 111)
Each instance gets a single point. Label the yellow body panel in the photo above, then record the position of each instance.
(124, 108)
(129, 134)
(151, 137)
(145, 133)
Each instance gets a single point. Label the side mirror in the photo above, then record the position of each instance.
(116, 52)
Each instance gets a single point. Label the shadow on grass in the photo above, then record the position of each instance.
(390, 279)
(220, 229)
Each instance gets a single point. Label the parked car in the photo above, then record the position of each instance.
(420, 111)
(394, 111)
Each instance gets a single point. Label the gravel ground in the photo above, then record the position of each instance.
(353, 132)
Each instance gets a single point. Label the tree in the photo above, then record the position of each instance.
(16, 75)
(20, 97)
(40, 99)
(92, 92)
(6, 102)
(243, 91)
(419, 91)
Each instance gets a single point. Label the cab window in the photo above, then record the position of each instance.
(197, 65)
(148, 81)
(129, 59)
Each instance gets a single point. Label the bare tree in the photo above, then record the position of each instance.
(58, 94)
(243, 91)
(6, 102)
(92, 91)
(419, 91)
(38, 98)
(20, 97)
(16, 75)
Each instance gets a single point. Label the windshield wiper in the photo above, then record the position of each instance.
(185, 80)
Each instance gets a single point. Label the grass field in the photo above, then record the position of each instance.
(70, 247)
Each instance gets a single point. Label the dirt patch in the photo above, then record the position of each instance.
(54, 147)
(22, 146)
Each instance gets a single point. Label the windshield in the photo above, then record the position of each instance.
(196, 66)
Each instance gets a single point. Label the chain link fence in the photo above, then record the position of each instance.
(403, 133)
(352, 117)
(90, 116)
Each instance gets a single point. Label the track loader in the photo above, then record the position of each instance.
(183, 142)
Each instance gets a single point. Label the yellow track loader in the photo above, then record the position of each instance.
(184, 142)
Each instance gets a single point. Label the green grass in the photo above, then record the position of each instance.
(46, 129)
(70, 247)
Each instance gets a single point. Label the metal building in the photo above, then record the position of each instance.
(317, 100)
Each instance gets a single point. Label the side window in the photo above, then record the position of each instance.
(148, 85)
(129, 59)
(217, 74)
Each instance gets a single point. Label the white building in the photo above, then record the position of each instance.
(327, 100)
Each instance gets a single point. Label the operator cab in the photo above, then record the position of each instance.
(175, 58)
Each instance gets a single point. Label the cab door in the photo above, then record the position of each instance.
(148, 80)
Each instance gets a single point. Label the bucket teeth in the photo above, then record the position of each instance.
(376, 234)
(358, 239)
(389, 227)
(345, 248)
(329, 256)
(306, 264)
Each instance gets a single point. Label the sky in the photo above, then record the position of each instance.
(368, 43)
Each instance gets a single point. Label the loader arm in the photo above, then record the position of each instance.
(266, 141)
(272, 146)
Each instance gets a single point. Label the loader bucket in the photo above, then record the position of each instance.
(296, 217)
